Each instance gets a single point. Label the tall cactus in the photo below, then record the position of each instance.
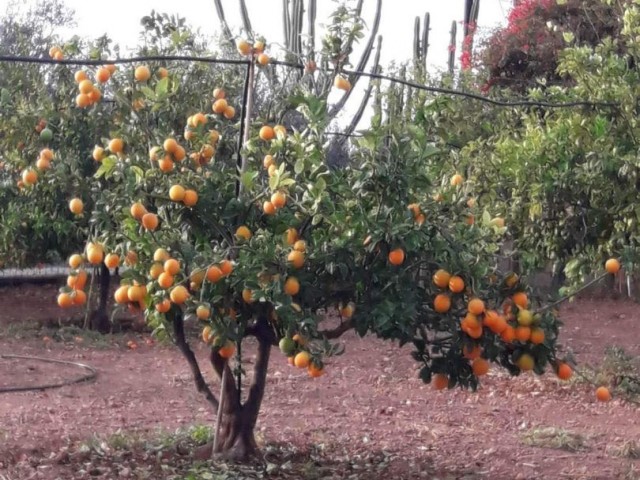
(452, 47)
(421, 43)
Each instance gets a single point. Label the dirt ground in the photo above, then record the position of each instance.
(368, 417)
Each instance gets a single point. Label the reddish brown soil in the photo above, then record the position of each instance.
(370, 407)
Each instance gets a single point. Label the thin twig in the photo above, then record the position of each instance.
(567, 297)
(223, 381)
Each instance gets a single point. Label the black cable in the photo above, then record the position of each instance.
(445, 91)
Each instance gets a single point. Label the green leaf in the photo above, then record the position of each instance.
(248, 178)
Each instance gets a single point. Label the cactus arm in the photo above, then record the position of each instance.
(223, 21)
(425, 39)
(367, 94)
(311, 18)
(364, 59)
(286, 23)
(244, 13)
(452, 47)
(417, 52)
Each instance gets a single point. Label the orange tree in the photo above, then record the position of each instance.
(268, 243)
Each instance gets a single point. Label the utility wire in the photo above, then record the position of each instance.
(418, 86)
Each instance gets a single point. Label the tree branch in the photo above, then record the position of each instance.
(338, 331)
(181, 342)
(265, 337)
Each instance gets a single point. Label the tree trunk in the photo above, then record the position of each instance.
(100, 317)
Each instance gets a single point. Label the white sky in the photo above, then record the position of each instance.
(121, 20)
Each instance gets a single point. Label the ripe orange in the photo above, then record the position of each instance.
(315, 371)
(612, 266)
(348, 310)
(190, 198)
(29, 176)
(166, 164)
(161, 255)
(65, 300)
(291, 286)
(198, 119)
(150, 221)
(525, 362)
(268, 208)
(279, 199)
(457, 180)
(136, 293)
(218, 93)
(142, 73)
(499, 325)
(103, 75)
(226, 266)
(258, 46)
(272, 170)
(280, 131)
(76, 206)
(219, 106)
(508, 335)
(83, 100)
(469, 322)
(441, 278)
(165, 280)
(170, 145)
(79, 76)
(247, 295)
(244, 48)
(79, 280)
(471, 353)
(267, 133)
(476, 306)
(214, 274)
(341, 83)
(95, 255)
(180, 154)
(176, 193)
(112, 260)
(179, 295)
(420, 219)
(302, 359)
(227, 350)
(396, 257)
(440, 381)
(172, 266)
(94, 95)
(521, 299)
(164, 306)
(300, 246)
(207, 334)
(121, 295)
(296, 258)
(207, 151)
(156, 270)
(537, 336)
(310, 66)
(480, 367)
(442, 303)
(116, 145)
(243, 232)
(162, 73)
(291, 236)
(75, 260)
(229, 112)
(85, 86)
(98, 153)
(456, 284)
(111, 67)
(603, 394)
(523, 333)
(263, 59)
(564, 371)
(203, 312)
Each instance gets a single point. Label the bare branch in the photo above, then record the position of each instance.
(185, 349)
(364, 59)
(225, 26)
(265, 337)
(338, 331)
